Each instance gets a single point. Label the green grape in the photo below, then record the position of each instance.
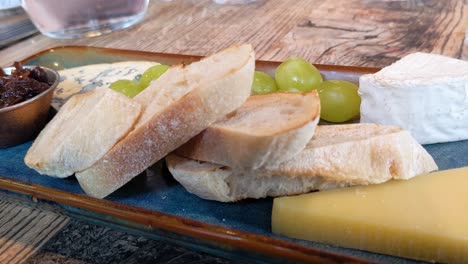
(297, 75)
(339, 101)
(126, 87)
(263, 83)
(151, 74)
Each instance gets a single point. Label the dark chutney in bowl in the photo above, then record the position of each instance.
(25, 111)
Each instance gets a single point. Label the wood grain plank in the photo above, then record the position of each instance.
(376, 33)
(23, 230)
(354, 32)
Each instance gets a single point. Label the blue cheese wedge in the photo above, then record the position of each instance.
(426, 94)
(87, 78)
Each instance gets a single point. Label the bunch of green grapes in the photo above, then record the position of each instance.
(339, 100)
(133, 87)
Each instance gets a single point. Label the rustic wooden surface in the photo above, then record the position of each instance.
(34, 236)
(346, 32)
(23, 230)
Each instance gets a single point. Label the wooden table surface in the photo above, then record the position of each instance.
(344, 32)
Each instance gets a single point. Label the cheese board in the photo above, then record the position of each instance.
(155, 205)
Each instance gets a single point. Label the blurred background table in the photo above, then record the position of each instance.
(355, 32)
(345, 32)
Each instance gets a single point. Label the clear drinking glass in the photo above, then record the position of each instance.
(83, 18)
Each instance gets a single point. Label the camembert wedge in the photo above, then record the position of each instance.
(424, 218)
(426, 94)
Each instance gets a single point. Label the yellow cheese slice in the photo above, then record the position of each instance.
(423, 218)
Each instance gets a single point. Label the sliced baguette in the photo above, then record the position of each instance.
(85, 128)
(337, 156)
(265, 130)
(179, 105)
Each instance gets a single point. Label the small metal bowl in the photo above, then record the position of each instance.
(23, 121)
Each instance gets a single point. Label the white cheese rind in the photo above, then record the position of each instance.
(426, 94)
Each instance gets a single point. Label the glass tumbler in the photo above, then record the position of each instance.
(83, 18)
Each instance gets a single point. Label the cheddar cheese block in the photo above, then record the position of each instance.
(424, 218)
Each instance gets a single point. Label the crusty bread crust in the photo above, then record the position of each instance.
(265, 130)
(168, 128)
(337, 156)
(86, 127)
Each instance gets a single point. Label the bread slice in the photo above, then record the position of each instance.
(179, 105)
(337, 156)
(85, 128)
(265, 130)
